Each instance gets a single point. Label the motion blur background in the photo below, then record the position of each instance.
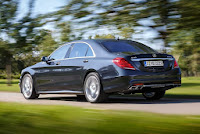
(30, 29)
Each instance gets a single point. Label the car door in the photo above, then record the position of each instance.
(51, 75)
(79, 60)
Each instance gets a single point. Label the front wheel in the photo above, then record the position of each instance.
(153, 95)
(27, 88)
(93, 90)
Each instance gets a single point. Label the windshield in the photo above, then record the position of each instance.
(129, 47)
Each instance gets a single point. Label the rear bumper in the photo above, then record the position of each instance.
(146, 80)
(151, 87)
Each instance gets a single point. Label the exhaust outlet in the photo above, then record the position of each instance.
(138, 87)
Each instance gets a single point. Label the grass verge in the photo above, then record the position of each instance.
(32, 119)
(190, 86)
(13, 88)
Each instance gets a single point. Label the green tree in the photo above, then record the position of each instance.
(104, 36)
(66, 30)
(186, 36)
(187, 46)
(20, 35)
(90, 15)
(8, 10)
(126, 32)
(128, 14)
(189, 11)
(47, 45)
(70, 18)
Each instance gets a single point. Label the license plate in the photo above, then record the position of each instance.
(153, 63)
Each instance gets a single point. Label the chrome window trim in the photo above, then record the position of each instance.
(142, 59)
(72, 58)
(94, 55)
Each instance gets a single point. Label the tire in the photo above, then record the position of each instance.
(153, 95)
(27, 87)
(93, 89)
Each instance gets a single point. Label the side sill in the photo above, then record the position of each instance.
(61, 92)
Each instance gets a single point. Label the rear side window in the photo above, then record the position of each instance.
(78, 50)
(60, 53)
(127, 46)
(89, 52)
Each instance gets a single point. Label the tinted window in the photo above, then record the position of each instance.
(78, 50)
(126, 46)
(60, 53)
(89, 52)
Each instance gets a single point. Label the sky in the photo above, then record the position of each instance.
(47, 6)
(41, 6)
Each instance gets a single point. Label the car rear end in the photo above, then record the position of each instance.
(142, 69)
(153, 72)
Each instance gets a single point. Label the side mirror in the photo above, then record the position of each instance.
(45, 59)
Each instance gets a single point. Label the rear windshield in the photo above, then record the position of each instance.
(127, 47)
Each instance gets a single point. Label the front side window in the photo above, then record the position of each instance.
(79, 50)
(60, 53)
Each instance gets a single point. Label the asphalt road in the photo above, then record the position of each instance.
(164, 106)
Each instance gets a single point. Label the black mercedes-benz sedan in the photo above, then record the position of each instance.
(98, 68)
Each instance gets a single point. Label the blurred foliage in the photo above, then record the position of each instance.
(126, 15)
(186, 37)
(187, 47)
(13, 76)
(189, 11)
(126, 32)
(65, 32)
(176, 22)
(163, 14)
(104, 36)
(21, 37)
(47, 45)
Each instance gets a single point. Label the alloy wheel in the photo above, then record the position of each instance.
(27, 87)
(92, 88)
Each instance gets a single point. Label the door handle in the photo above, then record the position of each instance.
(58, 63)
(85, 61)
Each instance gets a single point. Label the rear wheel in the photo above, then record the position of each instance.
(93, 90)
(27, 87)
(153, 95)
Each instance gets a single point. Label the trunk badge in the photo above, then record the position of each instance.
(133, 57)
(154, 55)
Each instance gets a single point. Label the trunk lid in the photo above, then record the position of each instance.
(139, 61)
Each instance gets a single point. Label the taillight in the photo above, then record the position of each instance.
(175, 64)
(138, 84)
(123, 63)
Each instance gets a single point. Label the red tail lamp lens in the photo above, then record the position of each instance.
(123, 63)
(175, 64)
(138, 84)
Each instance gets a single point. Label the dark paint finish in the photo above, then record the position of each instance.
(68, 74)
